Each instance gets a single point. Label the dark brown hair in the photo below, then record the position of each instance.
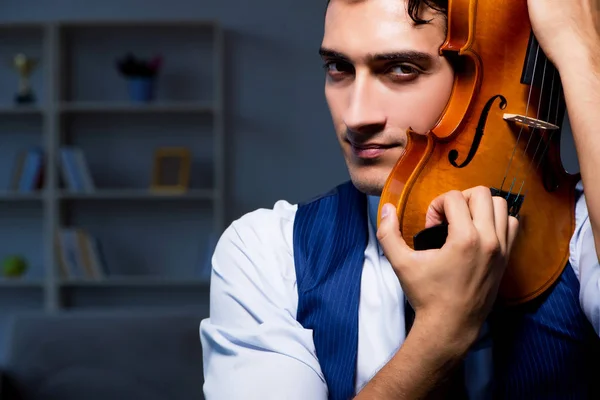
(415, 7)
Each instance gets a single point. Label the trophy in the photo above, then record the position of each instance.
(24, 66)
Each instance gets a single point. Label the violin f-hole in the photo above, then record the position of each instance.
(453, 154)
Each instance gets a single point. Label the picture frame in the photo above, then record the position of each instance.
(171, 169)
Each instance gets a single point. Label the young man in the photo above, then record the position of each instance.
(308, 301)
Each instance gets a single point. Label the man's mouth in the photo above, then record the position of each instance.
(369, 150)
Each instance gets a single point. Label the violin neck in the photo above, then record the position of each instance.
(539, 72)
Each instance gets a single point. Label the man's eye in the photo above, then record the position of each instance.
(337, 68)
(403, 72)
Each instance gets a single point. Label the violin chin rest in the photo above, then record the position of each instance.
(431, 238)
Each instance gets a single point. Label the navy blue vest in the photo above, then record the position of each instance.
(546, 349)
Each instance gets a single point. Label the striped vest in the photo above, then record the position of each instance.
(546, 349)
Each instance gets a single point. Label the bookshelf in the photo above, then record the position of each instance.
(153, 245)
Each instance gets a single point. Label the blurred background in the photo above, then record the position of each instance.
(163, 121)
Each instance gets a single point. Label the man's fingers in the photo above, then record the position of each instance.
(481, 206)
(457, 213)
(395, 248)
(501, 220)
(450, 207)
(513, 230)
(435, 213)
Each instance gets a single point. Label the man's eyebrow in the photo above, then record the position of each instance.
(405, 56)
(325, 52)
(397, 56)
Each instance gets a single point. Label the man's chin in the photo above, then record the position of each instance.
(372, 186)
(369, 179)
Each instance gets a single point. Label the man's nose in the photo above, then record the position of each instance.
(365, 113)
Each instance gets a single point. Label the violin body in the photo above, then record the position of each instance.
(501, 129)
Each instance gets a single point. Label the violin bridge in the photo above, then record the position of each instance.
(531, 122)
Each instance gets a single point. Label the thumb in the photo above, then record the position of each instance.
(395, 248)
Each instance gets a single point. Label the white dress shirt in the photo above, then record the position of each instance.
(254, 348)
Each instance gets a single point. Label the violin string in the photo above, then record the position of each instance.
(556, 117)
(533, 131)
(556, 123)
(549, 120)
(522, 127)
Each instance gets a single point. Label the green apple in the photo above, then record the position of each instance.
(14, 266)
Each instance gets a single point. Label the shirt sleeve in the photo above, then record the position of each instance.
(584, 261)
(253, 347)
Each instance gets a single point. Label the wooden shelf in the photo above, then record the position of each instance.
(142, 23)
(18, 196)
(139, 194)
(20, 110)
(125, 107)
(125, 282)
(21, 283)
(83, 101)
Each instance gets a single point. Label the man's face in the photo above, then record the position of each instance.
(383, 75)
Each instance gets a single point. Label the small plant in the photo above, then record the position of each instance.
(133, 67)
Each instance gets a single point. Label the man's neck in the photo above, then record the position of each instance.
(373, 207)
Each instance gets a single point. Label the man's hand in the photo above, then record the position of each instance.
(454, 288)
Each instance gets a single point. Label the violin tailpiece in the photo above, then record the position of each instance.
(515, 201)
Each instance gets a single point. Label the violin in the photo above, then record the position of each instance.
(501, 128)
